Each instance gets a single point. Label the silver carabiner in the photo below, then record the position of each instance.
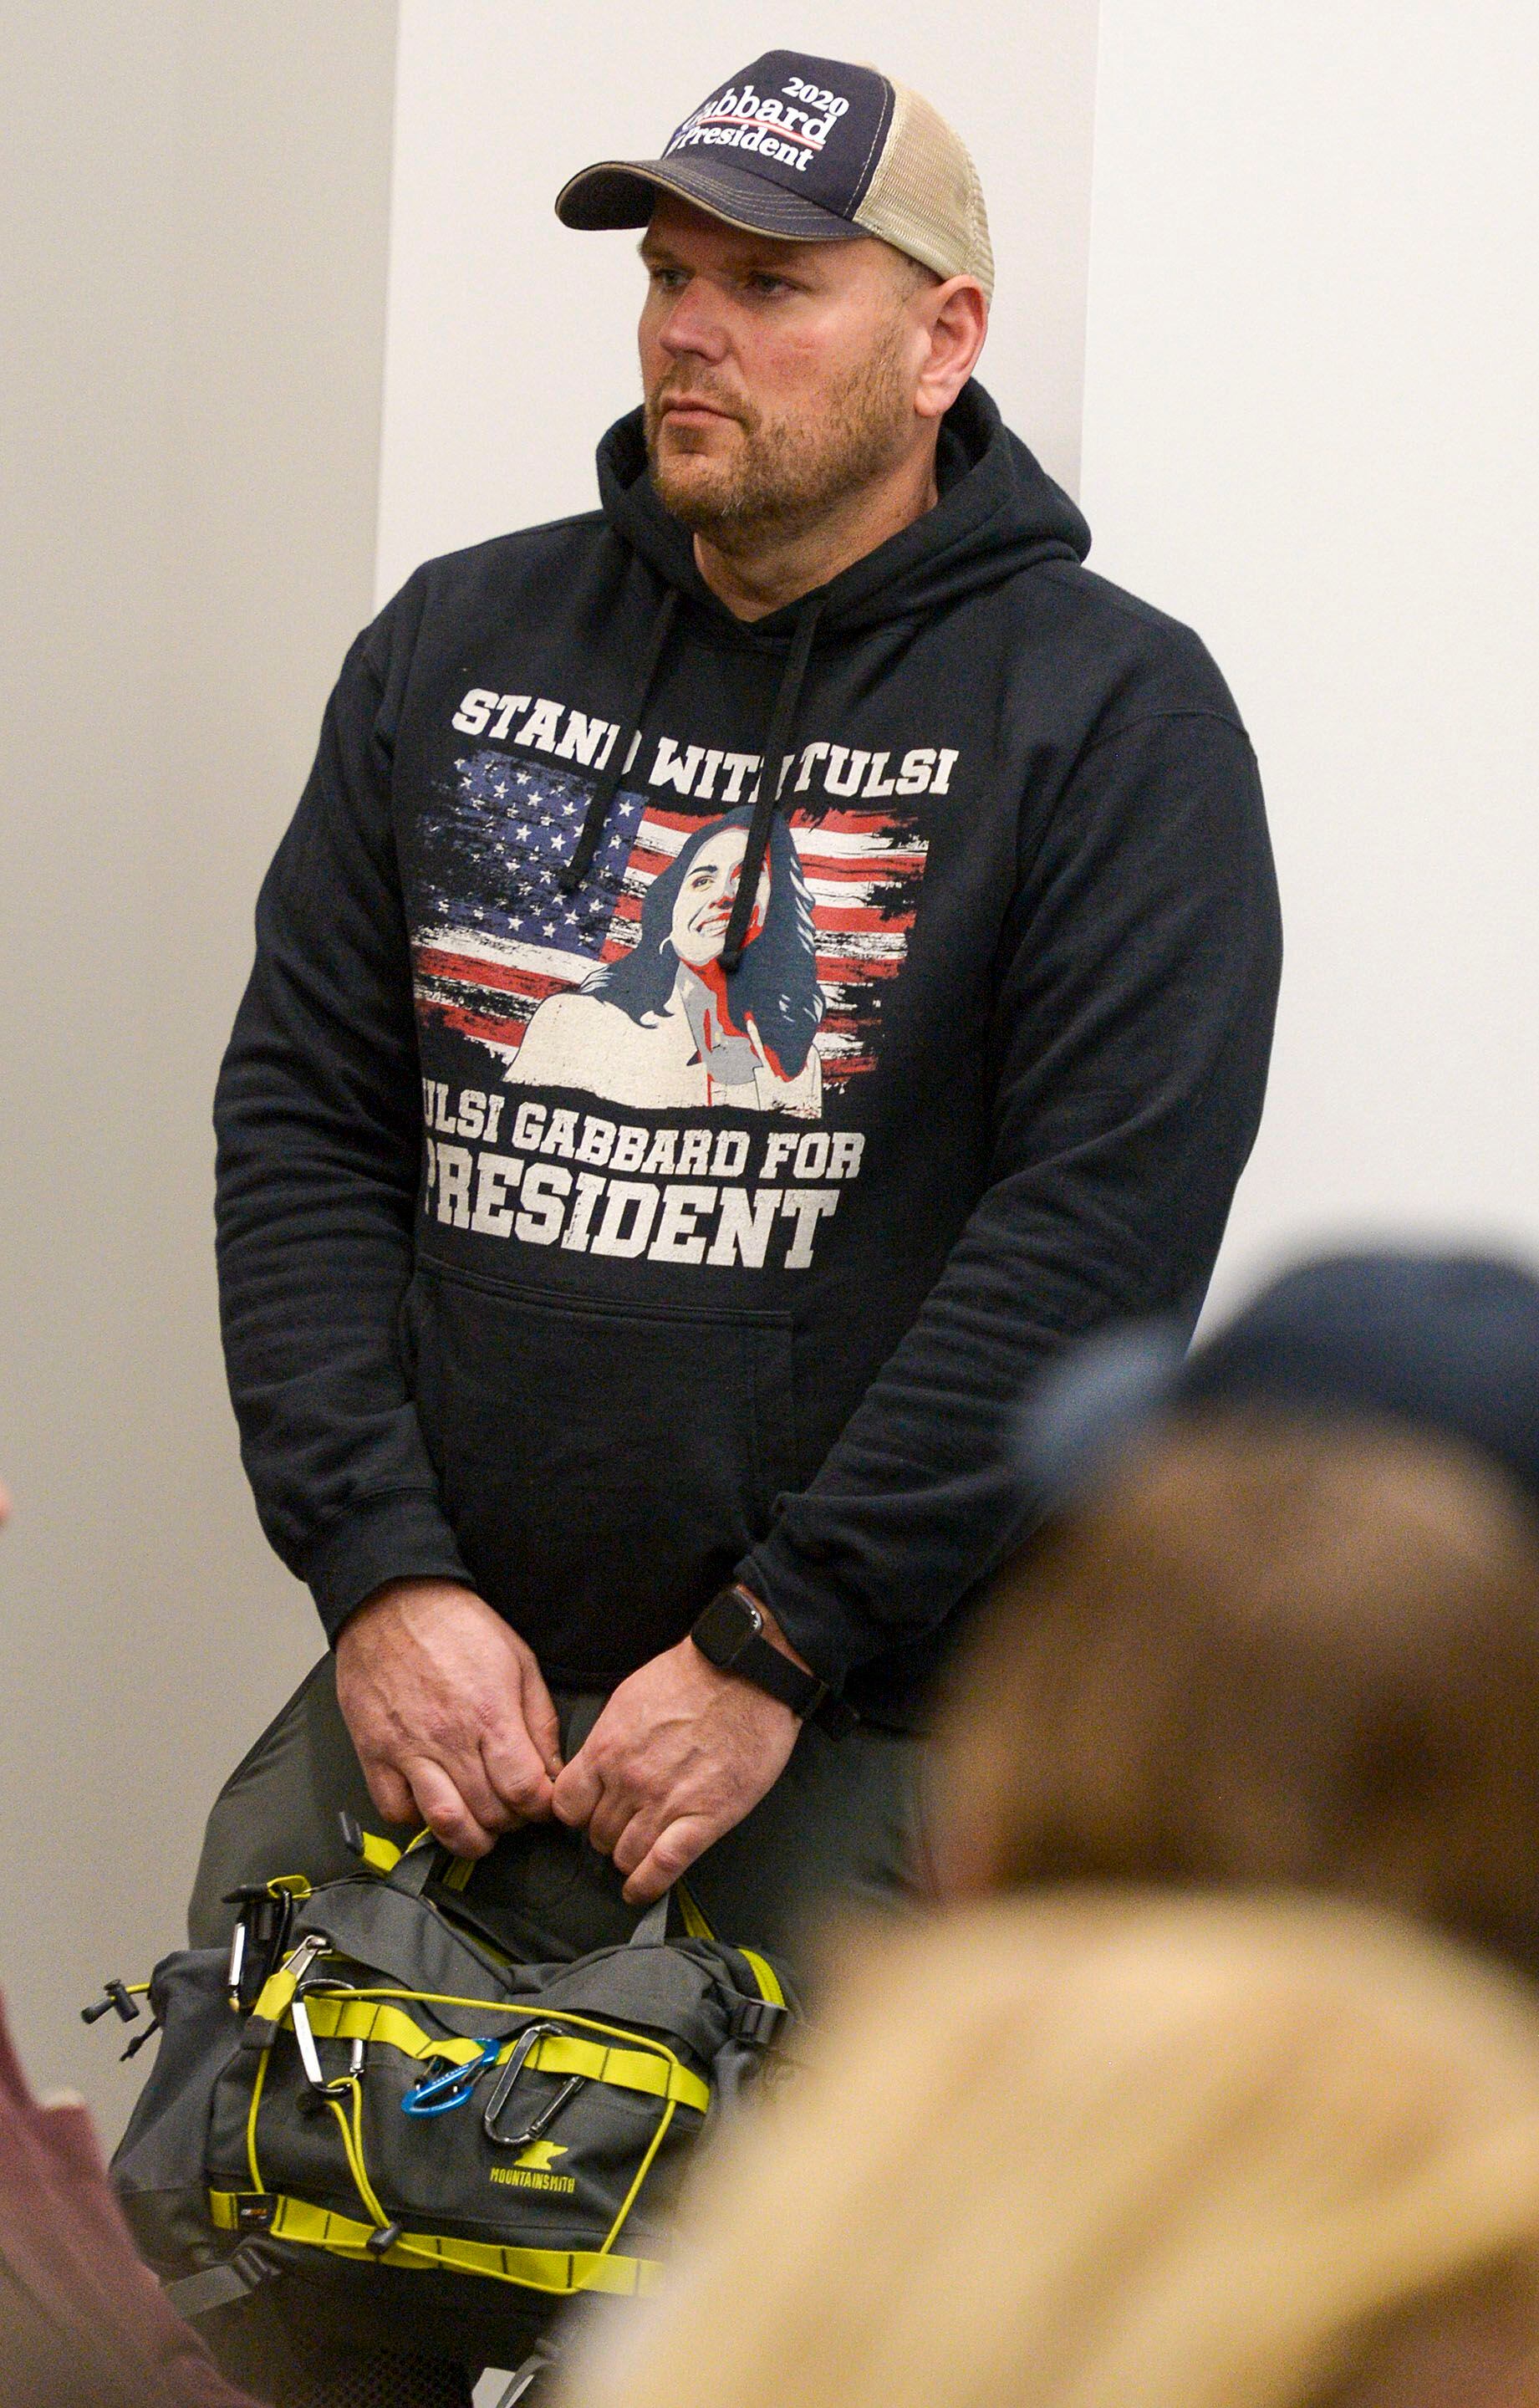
(527, 2038)
(310, 2055)
(297, 1965)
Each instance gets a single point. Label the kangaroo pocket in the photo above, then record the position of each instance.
(605, 1468)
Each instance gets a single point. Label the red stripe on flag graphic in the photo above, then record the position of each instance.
(479, 1024)
(462, 969)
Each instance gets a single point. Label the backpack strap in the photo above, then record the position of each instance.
(652, 1931)
(379, 1855)
(219, 2286)
(426, 1859)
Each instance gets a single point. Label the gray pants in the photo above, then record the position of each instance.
(840, 1828)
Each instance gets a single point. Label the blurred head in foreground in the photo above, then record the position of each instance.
(1126, 2151)
(1284, 1628)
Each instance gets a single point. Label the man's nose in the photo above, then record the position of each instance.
(693, 326)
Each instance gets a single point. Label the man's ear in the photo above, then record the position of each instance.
(956, 314)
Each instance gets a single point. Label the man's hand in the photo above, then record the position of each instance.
(447, 1708)
(679, 1756)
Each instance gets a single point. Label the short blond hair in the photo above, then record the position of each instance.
(1117, 2152)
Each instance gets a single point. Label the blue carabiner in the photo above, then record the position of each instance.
(437, 2093)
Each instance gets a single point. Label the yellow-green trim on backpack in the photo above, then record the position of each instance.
(561, 2271)
(378, 1855)
(655, 2072)
(695, 1925)
(764, 1975)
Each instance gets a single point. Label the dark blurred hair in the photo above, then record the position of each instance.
(1270, 1652)
(776, 980)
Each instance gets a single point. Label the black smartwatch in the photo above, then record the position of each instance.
(730, 1634)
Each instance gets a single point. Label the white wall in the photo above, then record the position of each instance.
(1311, 380)
(511, 340)
(193, 252)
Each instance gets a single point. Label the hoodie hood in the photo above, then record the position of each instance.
(998, 511)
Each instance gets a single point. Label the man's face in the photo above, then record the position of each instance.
(704, 901)
(779, 376)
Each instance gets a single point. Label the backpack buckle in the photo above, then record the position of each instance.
(758, 2021)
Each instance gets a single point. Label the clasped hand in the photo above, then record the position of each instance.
(679, 1756)
(454, 1724)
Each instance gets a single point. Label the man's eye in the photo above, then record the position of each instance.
(768, 283)
(668, 278)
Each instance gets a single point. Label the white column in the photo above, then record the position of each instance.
(1311, 394)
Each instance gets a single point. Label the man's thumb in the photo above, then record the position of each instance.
(542, 1724)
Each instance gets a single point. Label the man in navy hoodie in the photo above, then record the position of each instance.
(757, 968)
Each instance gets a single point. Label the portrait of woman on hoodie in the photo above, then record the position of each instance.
(666, 1025)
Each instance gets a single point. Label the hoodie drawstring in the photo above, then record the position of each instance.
(625, 735)
(767, 793)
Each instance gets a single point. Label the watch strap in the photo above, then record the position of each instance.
(726, 1635)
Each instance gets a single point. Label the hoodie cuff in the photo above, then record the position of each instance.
(834, 1638)
(399, 1535)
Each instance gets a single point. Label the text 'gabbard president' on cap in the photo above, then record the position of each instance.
(808, 150)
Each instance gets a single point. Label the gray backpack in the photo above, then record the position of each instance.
(369, 2097)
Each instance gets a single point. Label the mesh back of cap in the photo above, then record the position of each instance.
(925, 198)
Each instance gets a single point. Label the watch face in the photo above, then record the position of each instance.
(730, 1635)
(723, 1627)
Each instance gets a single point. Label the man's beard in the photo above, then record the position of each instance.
(783, 478)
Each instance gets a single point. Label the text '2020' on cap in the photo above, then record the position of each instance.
(810, 151)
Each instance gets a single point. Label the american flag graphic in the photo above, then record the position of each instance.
(499, 936)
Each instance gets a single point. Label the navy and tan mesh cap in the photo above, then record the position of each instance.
(810, 151)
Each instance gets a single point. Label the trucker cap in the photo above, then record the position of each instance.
(1447, 1344)
(810, 150)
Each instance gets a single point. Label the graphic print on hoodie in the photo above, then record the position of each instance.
(636, 1170)
(617, 989)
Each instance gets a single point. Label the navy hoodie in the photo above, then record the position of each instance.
(636, 1172)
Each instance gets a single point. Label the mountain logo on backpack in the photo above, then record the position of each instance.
(532, 2169)
(539, 2157)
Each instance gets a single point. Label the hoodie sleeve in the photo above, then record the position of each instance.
(1139, 970)
(318, 1121)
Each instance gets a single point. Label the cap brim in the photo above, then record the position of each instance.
(623, 192)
